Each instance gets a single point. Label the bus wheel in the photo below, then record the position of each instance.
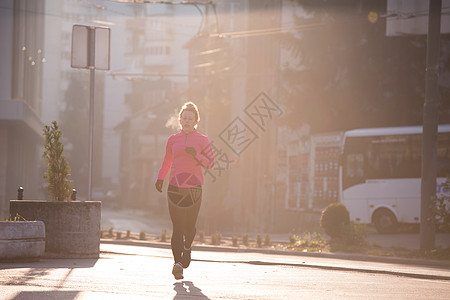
(385, 221)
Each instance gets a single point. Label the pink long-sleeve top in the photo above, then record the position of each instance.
(185, 169)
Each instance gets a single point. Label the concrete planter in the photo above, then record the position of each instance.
(72, 229)
(21, 240)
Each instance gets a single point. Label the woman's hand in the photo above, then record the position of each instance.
(159, 185)
(191, 151)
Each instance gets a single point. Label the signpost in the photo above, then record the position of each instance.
(90, 50)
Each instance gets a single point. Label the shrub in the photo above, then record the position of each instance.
(163, 235)
(216, 239)
(333, 217)
(267, 240)
(245, 239)
(17, 218)
(219, 237)
(441, 208)
(309, 241)
(258, 241)
(128, 234)
(142, 236)
(353, 234)
(292, 239)
(58, 171)
(234, 240)
(201, 236)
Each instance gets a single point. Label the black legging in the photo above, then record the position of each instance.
(184, 206)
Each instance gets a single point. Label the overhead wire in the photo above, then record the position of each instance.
(267, 31)
(163, 2)
(394, 14)
(256, 32)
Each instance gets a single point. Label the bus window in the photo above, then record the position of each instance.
(354, 169)
(394, 157)
(381, 157)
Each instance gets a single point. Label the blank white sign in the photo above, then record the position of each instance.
(81, 47)
(102, 48)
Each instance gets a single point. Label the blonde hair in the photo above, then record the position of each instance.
(190, 106)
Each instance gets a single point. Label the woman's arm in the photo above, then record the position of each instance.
(167, 162)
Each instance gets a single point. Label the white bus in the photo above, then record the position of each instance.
(380, 174)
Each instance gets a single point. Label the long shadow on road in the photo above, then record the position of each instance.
(337, 268)
(41, 268)
(46, 295)
(50, 264)
(186, 289)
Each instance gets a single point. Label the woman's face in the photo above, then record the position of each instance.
(188, 121)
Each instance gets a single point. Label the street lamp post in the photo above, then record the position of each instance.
(430, 130)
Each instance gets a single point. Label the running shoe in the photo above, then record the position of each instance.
(177, 271)
(186, 258)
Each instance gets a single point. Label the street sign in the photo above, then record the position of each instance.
(90, 50)
(81, 47)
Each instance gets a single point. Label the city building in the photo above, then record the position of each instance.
(21, 65)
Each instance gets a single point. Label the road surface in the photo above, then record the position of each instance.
(138, 272)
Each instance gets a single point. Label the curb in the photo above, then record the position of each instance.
(345, 256)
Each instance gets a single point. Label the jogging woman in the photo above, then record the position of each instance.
(186, 153)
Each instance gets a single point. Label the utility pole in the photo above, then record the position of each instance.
(91, 54)
(430, 128)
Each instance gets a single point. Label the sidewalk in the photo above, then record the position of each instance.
(141, 270)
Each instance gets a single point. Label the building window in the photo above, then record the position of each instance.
(27, 51)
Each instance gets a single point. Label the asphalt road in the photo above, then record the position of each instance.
(139, 272)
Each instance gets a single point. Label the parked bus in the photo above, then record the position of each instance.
(380, 174)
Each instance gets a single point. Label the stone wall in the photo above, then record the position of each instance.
(72, 229)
